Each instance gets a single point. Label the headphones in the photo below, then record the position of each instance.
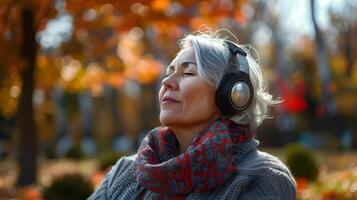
(235, 91)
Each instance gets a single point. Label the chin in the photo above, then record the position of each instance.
(167, 120)
(164, 121)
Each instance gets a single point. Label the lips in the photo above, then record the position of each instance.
(169, 100)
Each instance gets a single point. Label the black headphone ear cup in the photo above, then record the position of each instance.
(223, 94)
(232, 90)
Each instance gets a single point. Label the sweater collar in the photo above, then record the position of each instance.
(242, 149)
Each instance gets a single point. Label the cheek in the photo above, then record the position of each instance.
(206, 102)
(201, 100)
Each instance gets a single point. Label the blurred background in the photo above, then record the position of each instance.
(79, 82)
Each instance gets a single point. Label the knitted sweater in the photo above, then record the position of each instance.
(258, 176)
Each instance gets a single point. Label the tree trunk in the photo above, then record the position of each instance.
(322, 64)
(116, 116)
(347, 50)
(27, 152)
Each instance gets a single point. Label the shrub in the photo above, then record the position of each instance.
(301, 162)
(69, 187)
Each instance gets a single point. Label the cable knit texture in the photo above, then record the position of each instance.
(258, 176)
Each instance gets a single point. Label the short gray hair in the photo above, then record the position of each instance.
(212, 58)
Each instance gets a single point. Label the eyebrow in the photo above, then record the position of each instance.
(183, 64)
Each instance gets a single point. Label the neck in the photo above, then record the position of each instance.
(185, 133)
(185, 136)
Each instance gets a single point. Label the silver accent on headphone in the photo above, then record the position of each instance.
(240, 94)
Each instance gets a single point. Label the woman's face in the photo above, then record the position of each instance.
(185, 98)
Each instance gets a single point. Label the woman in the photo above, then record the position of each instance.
(211, 100)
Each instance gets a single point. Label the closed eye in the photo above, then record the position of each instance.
(189, 74)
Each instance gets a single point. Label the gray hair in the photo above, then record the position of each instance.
(212, 58)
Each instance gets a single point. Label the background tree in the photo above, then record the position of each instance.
(20, 56)
(323, 64)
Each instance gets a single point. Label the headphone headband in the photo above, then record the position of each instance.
(234, 48)
(242, 56)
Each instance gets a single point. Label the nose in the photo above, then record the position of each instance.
(170, 82)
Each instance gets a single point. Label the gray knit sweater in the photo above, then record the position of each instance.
(258, 176)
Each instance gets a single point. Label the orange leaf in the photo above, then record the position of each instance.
(240, 17)
(302, 183)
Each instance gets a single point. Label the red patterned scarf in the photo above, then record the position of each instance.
(209, 161)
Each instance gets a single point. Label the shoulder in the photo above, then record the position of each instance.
(251, 160)
(260, 174)
(273, 182)
(260, 160)
(123, 168)
(118, 178)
